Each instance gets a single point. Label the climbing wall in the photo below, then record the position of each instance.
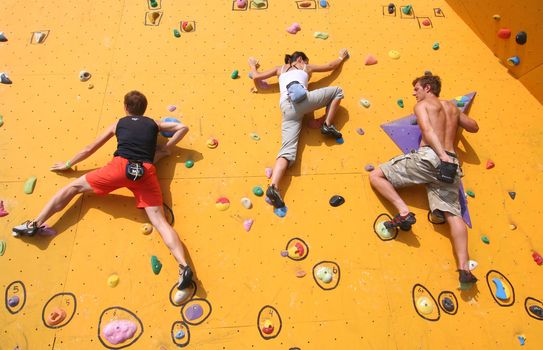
(318, 278)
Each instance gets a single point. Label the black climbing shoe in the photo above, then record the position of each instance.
(275, 197)
(403, 222)
(27, 228)
(330, 130)
(465, 276)
(185, 277)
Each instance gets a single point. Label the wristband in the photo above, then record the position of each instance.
(68, 164)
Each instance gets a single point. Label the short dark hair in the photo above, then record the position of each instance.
(135, 102)
(432, 80)
(294, 57)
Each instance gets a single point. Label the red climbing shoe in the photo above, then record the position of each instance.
(403, 222)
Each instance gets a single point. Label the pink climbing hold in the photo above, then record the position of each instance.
(370, 60)
(171, 108)
(119, 331)
(3, 211)
(241, 4)
(269, 172)
(504, 33)
(247, 224)
(294, 28)
(490, 164)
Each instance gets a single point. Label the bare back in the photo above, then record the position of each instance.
(439, 120)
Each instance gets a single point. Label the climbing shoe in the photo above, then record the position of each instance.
(403, 222)
(185, 277)
(27, 228)
(275, 197)
(330, 130)
(465, 276)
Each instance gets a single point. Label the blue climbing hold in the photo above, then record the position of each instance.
(168, 119)
(281, 212)
(521, 340)
(501, 293)
(180, 334)
(340, 141)
(323, 3)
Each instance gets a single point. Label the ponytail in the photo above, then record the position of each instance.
(291, 58)
(288, 59)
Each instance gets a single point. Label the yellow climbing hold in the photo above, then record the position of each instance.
(321, 35)
(424, 305)
(30, 184)
(113, 281)
(146, 229)
(394, 54)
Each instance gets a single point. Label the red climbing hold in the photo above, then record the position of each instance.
(490, 164)
(537, 258)
(426, 22)
(504, 33)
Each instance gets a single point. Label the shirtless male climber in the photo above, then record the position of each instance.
(434, 164)
(131, 167)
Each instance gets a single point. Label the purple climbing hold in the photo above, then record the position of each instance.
(360, 131)
(369, 167)
(281, 212)
(4, 79)
(194, 312)
(172, 108)
(391, 8)
(284, 253)
(13, 301)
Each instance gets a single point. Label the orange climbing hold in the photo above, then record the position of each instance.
(55, 317)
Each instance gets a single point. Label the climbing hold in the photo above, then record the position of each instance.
(300, 273)
(146, 229)
(485, 239)
(325, 274)
(394, 54)
(156, 265)
(305, 4)
(153, 16)
(340, 140)
(284, 253)
(360, 131)
(370, 60)
(512, 194)
(321, 35)
(84, 75)
(407, 9)
(255, 136)
(247, 224)
(13, 301)
(521, 339)
(513, 61)
(391, 8)
(400, 102)
(212, 143)
(194, 312)
(246, 203)
(181, 295)
(268, 172)
(2, 247)
(169, 120)
(502, 292)
(119, 331)
(176, 33)
(490, 164)
(1, 120)
(537, 258)
(336, 201)
(365, 103)
(428, 73)
(460, 104)
(187, 26)
(281, 212)
(241, 4)
(497, 17)
(504, 33)
(55, 317)
(472, 264)
(30, 184)
(259, 3)
(470, 193)
(113, 281)
(180, 334)
(426, 22)
(537, 310)
(189, 164)
(268, 327)
(512, 227)
(3, 211)
(235, 74)
(447, 304)
(521, 38)
(90, 86)
(171, 108)
(4, 79)
(222, 203)
(369, 167)
(435, 46)
(3, 37)
(153, 3)
(258, 191)
(424, 305)
(294, 28)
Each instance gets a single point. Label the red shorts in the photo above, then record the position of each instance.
(113, 176)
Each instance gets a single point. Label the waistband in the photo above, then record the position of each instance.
(449, 153)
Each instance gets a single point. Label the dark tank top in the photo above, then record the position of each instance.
(136, 138)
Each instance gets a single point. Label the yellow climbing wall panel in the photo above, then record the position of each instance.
(522, 16)
(49, 115)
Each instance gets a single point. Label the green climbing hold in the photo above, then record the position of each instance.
(258, 191)
(259, 3)
(435, 46)
(470, 193)
(400, 102)
(460, 104)
(321, 35)
(156, 265)
(235, 74)
(407, 9)
(2, 247)
(189, 163)
(485, 239)
(153, 3)
(176, 33)
(30, 184)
